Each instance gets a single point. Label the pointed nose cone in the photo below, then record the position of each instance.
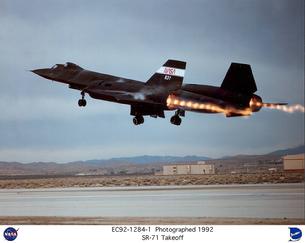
(44, 72)
(41, 72)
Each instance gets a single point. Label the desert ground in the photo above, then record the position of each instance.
(148, 180)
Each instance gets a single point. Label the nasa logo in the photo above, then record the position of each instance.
(295, 234)
(10, 234)
(170, 71)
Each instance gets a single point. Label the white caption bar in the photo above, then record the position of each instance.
(156, 233)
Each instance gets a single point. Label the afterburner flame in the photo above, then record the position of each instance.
(280, 107)
(174, 102)
(177, 102)
(254, 103)
(285, 108)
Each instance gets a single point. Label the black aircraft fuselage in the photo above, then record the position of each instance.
(163, 91)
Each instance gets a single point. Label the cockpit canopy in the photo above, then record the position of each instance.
(67, 65)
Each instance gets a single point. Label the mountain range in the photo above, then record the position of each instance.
(138, 164)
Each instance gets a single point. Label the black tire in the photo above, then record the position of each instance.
(141, 119)
(82, 102)
(137, 120)
(176, 120)
(173, 119)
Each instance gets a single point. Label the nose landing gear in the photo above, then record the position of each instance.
(82, 101)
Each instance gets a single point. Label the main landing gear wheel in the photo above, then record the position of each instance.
(137, 120)
(176, 120)
(82, 101)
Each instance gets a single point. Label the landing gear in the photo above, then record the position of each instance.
(137, 120)
(82, 101)
(175, 119)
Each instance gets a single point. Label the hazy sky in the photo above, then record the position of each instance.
(41, 121)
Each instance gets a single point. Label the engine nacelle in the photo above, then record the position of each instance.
(255, 103)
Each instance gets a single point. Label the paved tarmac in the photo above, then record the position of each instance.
(249, 201)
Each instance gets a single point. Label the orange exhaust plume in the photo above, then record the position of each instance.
(176, 102)
(285, 108)
(255, 105)
(281, 107)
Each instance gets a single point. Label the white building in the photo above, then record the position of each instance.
(188, 169)
(293, 162)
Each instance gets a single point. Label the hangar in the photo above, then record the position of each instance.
(294, 163)
(189, 169)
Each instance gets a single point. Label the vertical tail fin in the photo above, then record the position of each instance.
(239, 78)
(170, 75)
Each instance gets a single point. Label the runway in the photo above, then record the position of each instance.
(251, 201)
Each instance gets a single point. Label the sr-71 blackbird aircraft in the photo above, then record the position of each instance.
(164, 91)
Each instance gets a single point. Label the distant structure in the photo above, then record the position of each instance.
(189, 169)
(294, 163)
